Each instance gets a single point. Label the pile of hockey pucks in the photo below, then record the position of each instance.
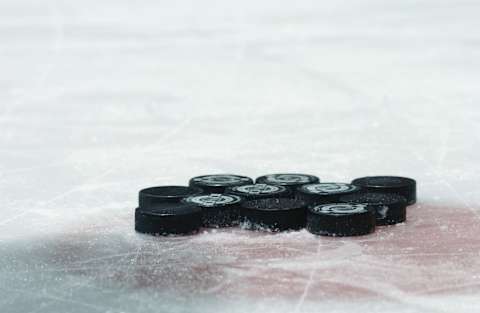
(275, 202)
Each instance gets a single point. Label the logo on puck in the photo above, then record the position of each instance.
(221, 179)
(340, 208)
(259, 189)
(213, 200)
(329, 188)
(288, 178)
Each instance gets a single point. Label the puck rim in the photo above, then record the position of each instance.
(402, 181)
(147, 191)
(153, 221)
(395, 199)
(285, 217)
(353, 223)
(152, 210)
(300, 204)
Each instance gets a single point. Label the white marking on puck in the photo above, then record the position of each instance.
(288, 178)
(226, 179)
(340, 208)
(328, 188)
(214, 199)
(258, 189)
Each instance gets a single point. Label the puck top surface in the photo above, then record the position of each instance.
(328, 188)
(274, 204)
(220, 180)
(287, 179)
(339, 209)
(258, 189)
(213, 200)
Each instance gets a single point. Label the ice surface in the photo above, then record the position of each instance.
(101, 98)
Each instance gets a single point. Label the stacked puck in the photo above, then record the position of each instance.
(341, 219)
(259, 191)
(273, 214)
(288, 180)
(276, 202)
(218, 210)
(389, 208)
(218, 183)
(322, 193)
(161, 211)
(402, 186)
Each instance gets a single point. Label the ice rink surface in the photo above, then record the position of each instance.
(101, 98)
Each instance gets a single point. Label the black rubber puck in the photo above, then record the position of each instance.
(390, 208)
(403, 186)
(273, 214)
(291, 181)
(218, 183)
(155, 195)
(323, 193)
(168, 218)
(259, 191)
(218, 210)
(341, 219)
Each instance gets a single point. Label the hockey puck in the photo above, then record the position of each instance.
(403, 186)
(290, 181)
(273, 214)
(168, 218)
(323, 193)
(259, 191)
(341, 219)
(152, 196)
(218, 183)
(218, 210)
(389, 208)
